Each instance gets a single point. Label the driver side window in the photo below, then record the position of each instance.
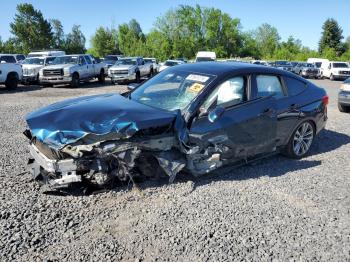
(229, 93)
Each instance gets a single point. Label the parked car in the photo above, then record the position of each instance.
(46, 53)
(205, 56)
(154, 63)
(170, 63)
(31, 67)
(307, 70)
(195, 117)
(130, 69)
(12, 58)
(71, 69)
(284, 65)
(259, 62)
(318, 63)
(335, 70)
(344, 96)
(10, 74)
(110, 60)
(182, 59)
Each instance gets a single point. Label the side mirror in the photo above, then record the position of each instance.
(132, 86)
(216, 113)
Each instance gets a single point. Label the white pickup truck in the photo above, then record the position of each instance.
(72, 69)
(130, 69)
(335, 70)
(10, 74)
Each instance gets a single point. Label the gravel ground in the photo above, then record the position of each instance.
(278, 209)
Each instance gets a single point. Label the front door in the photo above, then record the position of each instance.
(247, 126)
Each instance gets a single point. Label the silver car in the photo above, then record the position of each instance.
(344, 96)
(306, 70)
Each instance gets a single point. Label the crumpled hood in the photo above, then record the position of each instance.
(66, 122)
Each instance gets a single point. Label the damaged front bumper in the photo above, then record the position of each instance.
(55, 173)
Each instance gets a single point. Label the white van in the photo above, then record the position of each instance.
(46, 53)
(335, 70)
(204, 56)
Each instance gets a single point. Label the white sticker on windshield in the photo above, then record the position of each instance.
(197, 78)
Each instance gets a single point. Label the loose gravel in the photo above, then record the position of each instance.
(275, 210)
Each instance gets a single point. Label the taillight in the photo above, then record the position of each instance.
(325, 100)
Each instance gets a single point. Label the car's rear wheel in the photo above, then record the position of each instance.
(343, 108)
(301, 140)
(75, 81)
(12, 81)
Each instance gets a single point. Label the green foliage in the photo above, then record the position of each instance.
(104, 42)
(331, 38)
(31, 31)
(131, 40)
(58, 39)
(267, 38)
(75, 41)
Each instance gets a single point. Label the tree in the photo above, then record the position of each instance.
(30, 29)
(57, 34)
(131, 40)
(75, 41)
(158, 45)
(249, 46)
(267, 38)
(331, 37)
(104, 42)
(288, 50)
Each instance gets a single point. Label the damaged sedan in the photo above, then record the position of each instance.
(192, 118)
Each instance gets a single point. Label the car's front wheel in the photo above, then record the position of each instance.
(301, 140)
(75, 81)
(12, 81)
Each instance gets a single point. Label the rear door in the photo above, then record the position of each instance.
(247, 126)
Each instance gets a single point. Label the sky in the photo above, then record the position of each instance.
(302, 19)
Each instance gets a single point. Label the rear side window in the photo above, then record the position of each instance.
(269, 85)
(294, 86)
(8, 59)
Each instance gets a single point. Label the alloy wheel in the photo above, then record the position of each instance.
(303, 139)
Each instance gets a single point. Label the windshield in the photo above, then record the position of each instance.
(34, 61)
(282, 63)
(204, 59)
(338, 65)
(171, 90)
(131, 61)
(318, 64)
(111, 58)
(171, 63)
(65, 60)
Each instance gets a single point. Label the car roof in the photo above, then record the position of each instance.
(224, 68)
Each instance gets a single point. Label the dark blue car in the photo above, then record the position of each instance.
(193, 118)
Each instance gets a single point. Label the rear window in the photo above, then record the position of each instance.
(294, 86)
(8, 59)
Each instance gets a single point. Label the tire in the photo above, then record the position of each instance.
(12, 81)
(101, 77)
(75, 80)
(138, 77)
(331, 77)
(300, 142)
(150, 73)
(344, 109)
(113, 82)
